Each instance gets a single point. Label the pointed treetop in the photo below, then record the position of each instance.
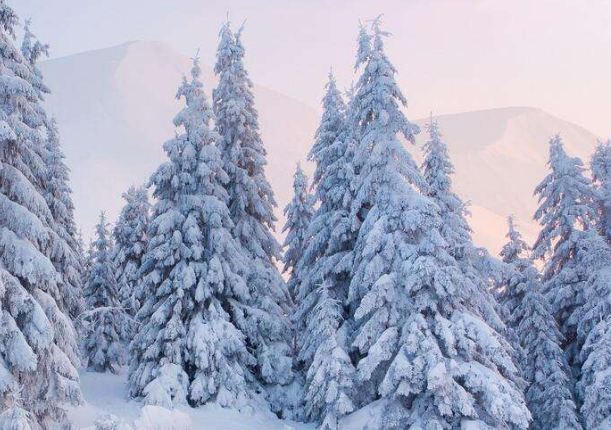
(300, 176)
(378, 33)
(238, 34)
(363, 46)
(32, 48)
(331, 76)
(515, 246)
(196, 70)
(601, 161)
(432, 127)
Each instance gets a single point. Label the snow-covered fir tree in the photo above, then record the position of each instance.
(251, 205)
(189, 346)
(56, 188)
(549, 394)
(423, 348)
(514, 254)
(130, 242)
(332, 126)
(437, 169)
(596, 376)
(327, 257)
(326, 265)
(575, 255)
(475, 263)
(330, 378)
(298, 217)
(104, 342)
(594, 333)
(38, 342)
(601, 172)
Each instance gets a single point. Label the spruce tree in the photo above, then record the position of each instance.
(56, 186)
(37, 346)
(251, 204)
(422, 346)
(298, 217)
(573, 252)
(513, 253)
(130, 244)
(325, 271)
(475, 263)
(594, 333)
(437, 169)
(329, 387)
(596, 376)
(601, 173)
(104, 343)
(327, 257)
(189, 346)
(549, 392)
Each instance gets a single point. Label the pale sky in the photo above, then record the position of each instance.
(452, 55)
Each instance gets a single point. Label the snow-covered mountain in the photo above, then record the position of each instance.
(500, 156)
(115, 108)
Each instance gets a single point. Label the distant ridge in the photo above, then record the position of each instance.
(115, 108)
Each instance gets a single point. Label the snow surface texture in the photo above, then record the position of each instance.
(105, 394)
(499, 154)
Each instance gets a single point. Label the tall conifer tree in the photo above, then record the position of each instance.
(131, 239)
(251, 204)
(601, 172)
(56, 186)
(326, 264)
(298, 217)
(423, 347)
(573, 252)
(37, 346)
(104, 341)
(549, 394)
(189, 346)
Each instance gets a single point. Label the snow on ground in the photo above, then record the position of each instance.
(106, 394)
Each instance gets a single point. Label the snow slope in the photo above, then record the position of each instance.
(500, 156)
(105, 394)
(115, 108)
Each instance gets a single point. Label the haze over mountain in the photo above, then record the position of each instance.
(115, 108)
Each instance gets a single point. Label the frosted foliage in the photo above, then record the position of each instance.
(251, 204)
(549, 390)
(54, 184)
(601, 172)
(422, 344)
(595, 383)
(189, 346)
(565, 205)
(330, 377)
(437, 169)
(475, 263)
(104, 342)
(298, 214)
(594, 333)
(574, 253)
(38, 380)
(324, 272)
(15, 418)
(331, 128)
(327, 257)
(515, 254)
(130, 239)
